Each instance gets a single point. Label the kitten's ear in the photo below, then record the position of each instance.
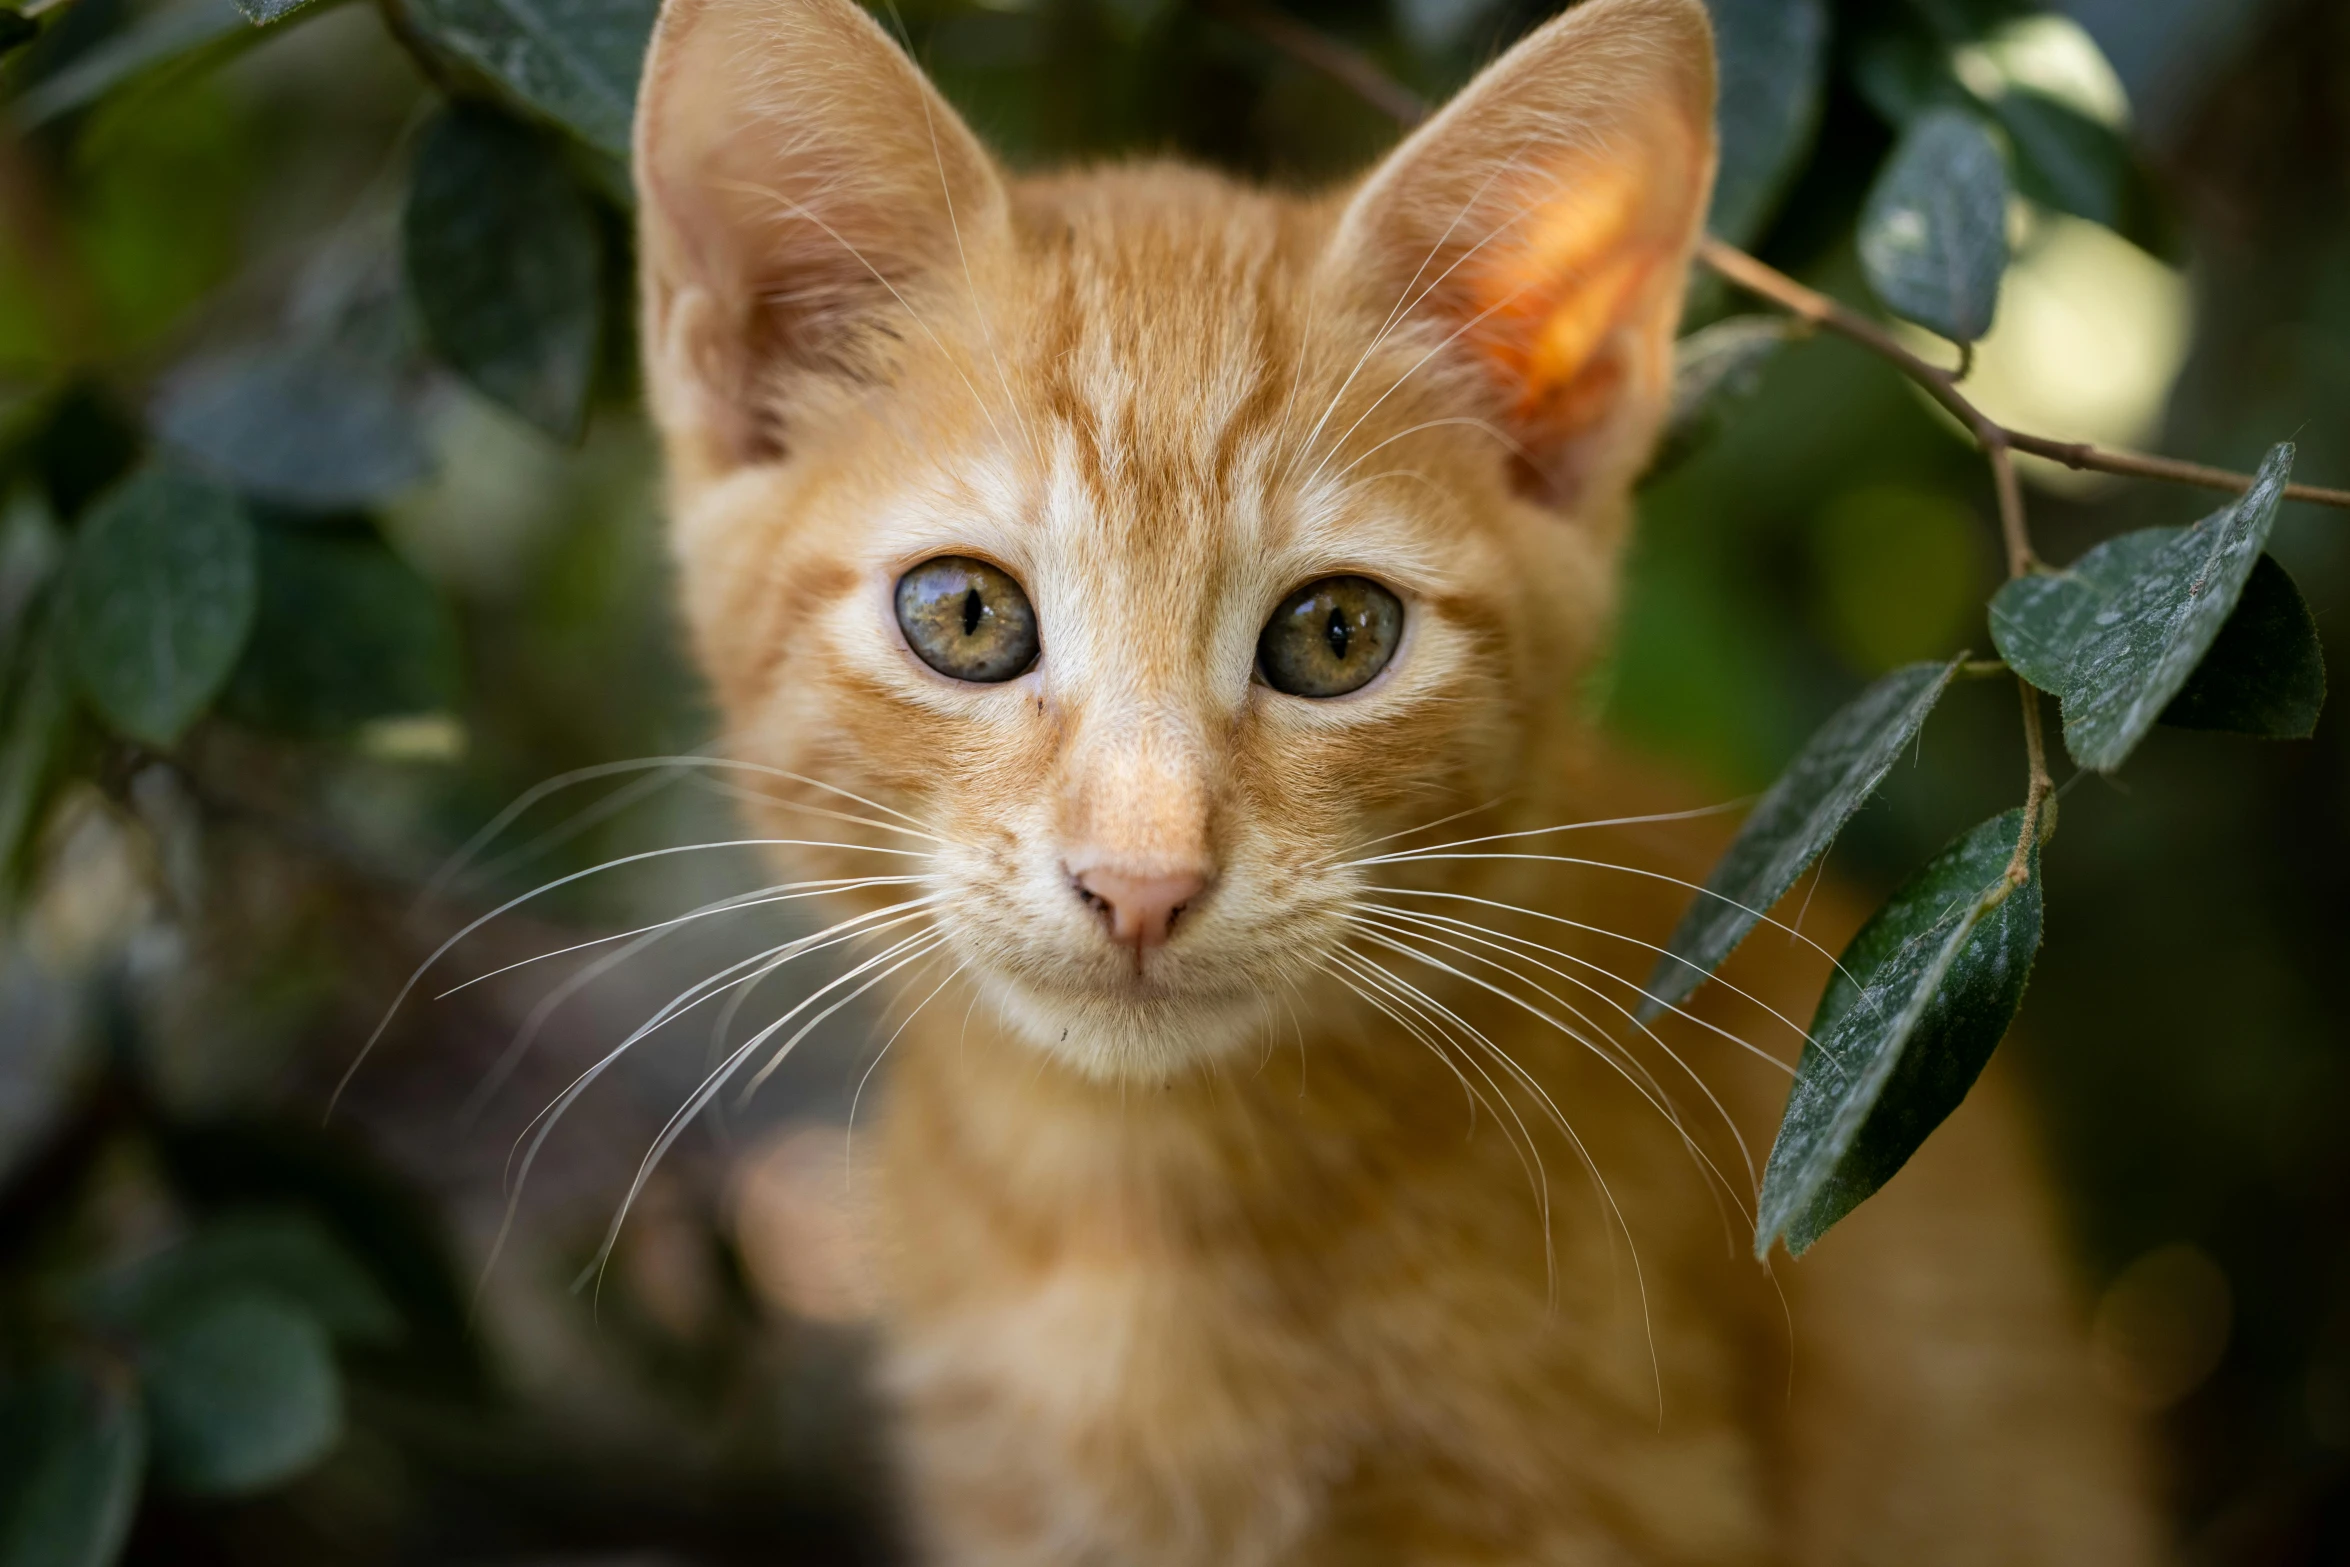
(800, 187)
(1541, 226)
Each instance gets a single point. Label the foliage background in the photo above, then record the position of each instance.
(202, 934)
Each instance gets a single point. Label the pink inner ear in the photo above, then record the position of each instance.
(1572, 305)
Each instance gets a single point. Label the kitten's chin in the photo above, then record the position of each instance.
(1112, 1038)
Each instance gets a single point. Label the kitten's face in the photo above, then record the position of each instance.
(1157, 546)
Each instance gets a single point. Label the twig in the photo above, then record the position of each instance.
(1768, 282)
(1355, 70)
(2039, 790)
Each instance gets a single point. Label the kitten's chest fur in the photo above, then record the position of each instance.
(1302, 1308)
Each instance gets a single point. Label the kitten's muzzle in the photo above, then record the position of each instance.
(1139, 909)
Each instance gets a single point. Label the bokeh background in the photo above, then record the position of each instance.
(199, 938)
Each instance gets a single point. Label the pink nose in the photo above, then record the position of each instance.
(1141, 909)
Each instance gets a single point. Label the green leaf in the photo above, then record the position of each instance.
(575, 61)
(263, 12)
(1933, 233)
(1924, 994)
(36, 728)
(72, 1450)
(1715, 369)
(2064, 159)
(505, 264)
(156, 38)
(2266, 672)
(241, 1394)
(347, 632)
(304, 424)
(1771, 56)
(1832, 777)
(2118, 634)
(159, 599)
(287, 1255)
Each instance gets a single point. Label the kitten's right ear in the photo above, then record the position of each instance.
(799, 186)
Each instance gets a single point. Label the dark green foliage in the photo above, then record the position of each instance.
(574, 61)
(285, 1254)
(2118, 634)
(1933, 236)
(241, 1392)
(2064, 159)
(16, 30)
(36, 729)
(1921, 998)
(72, 1449)
(304, 424)
(1772, 56)
(2266, 672)
(159, 598)
(505, 264)
(347, 632)
(1793, 824)
(1715, 370)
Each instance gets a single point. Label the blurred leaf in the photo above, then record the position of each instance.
(1771, 57)
(36, 724)
(1715, 369)
(2064, 159)
(177, 29)
(286, 1255)
(505, 264)
(241, 1394)
(302, 423)
(1901, 75)
(576, 61)
(2266, 671)
(1922, 997)
(2118, 634)
(159, 599)
(1933, 234)
(347, 632)
(1833, 776)
(72, 1450)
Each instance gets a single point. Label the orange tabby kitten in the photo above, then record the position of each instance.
(1163, 562)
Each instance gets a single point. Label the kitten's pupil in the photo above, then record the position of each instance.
(971, 610)
(1336, 634)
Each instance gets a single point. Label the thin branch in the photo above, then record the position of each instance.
(1353, 69)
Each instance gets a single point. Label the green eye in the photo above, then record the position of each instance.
(1330, 637)
(966, 619)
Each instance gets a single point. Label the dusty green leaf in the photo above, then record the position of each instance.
(1833, 776)
(347, 632)
(1923, 996)
(159, 599)
(505, 265)
(2117, 635)
(287, 1255)
(1715, 369)
(304, 424)
(1771, 56)
(72, 1451)
(2266, 672)
(1933, 233)
(241, 1393)
(575, 61)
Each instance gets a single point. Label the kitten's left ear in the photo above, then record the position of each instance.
(802, 193)
(1540, 227)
